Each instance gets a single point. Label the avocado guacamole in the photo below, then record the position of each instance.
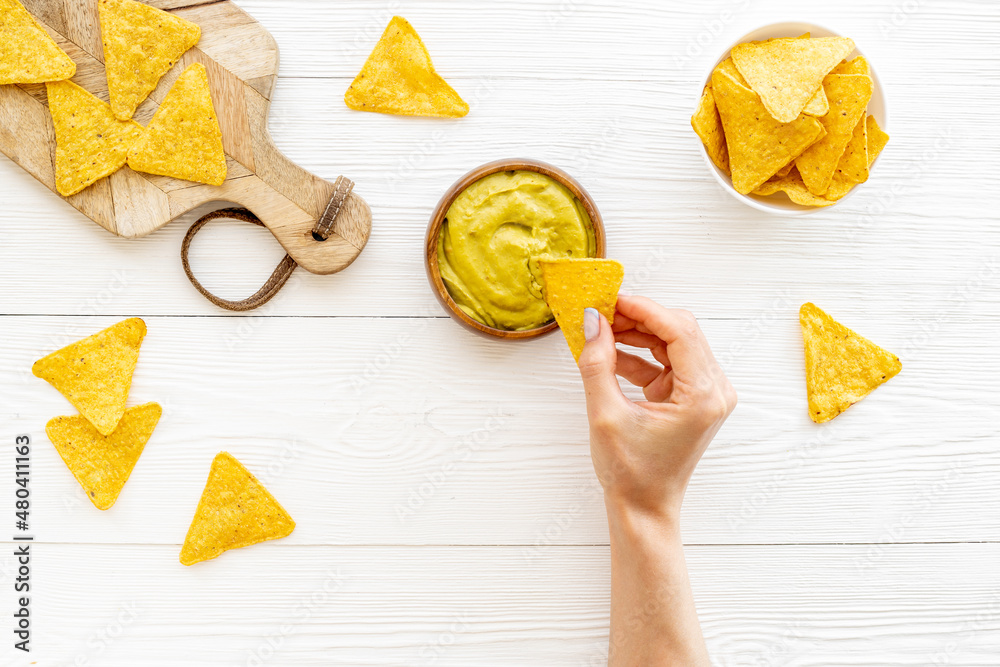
(492, 236)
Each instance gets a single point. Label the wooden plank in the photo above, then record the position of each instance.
(433, 435)
(338, 605)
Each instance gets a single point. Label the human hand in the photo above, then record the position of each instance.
(645, 452)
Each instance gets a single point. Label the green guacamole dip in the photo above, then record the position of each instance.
(492, 237)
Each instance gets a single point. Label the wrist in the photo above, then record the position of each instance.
(627, 516)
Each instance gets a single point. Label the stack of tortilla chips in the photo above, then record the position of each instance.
(102, 444)
(94, 139)
(790, 114)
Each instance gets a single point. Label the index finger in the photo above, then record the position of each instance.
(687, 348)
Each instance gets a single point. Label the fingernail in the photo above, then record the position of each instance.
(624, 292)
(591, 324)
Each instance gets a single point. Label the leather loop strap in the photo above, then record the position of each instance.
(277, 280)
(342, 189)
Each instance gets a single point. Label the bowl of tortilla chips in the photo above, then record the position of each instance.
(791, 118)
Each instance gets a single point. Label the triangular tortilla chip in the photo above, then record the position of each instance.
(27, 53)
(183, 140)
(758, 145)
(571, 285)
(235, 511)
(853, 164)
(791, 184)
(857, 65)
(841, 366)
(817, 105)
(102, 464)
(787, 72)
(90, 142)
(708, 126)
(95, 373)
(141, 43)
(848, 95)
(399, 78)
(877, 139)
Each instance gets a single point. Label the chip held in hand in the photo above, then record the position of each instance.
(235, 511)
(572, 285)
(95, 373)
(842, 367)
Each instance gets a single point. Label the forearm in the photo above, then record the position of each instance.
(653, 618)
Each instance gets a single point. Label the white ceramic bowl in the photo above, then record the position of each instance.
(779, 203)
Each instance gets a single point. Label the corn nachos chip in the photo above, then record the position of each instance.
(708, 126)
(758, 144)
(399, 78)
(817, 105)
(848, 95)
(791, 184)
(90, 142)
(853, 164)
(102, 463)
(857, 65)
(95, 373)
(235, 511)
(141, 44)
(27, 53)
(877, 139)
(571, 285)
(787, 72)
(183, 140)
(842, 367)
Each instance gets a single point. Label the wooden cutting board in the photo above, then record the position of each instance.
(242, 62)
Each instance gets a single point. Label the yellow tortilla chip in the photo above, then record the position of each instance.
(141, 43)
(792, 185)
(787, 72)
(90, 142)
(102, 463)
(877, 139)
(857, 65)
(235, 511)
(571, 285)
(758, 144)
(27, 53)
(848, 95)
(95, 373)
(399, 78)
(729, 68)
(853, 164)
(708, 126)
(841, 366)
(817, 105)
(183, 140)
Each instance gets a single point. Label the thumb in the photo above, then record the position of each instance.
(597, 364)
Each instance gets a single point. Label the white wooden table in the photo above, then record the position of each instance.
(446, 506)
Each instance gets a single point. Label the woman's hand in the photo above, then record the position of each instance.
(644, 453)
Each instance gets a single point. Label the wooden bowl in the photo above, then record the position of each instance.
(437, 220)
